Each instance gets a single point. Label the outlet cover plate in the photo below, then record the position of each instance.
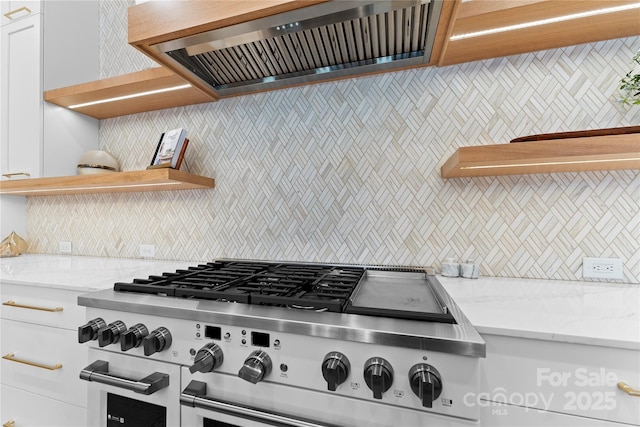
(64, 247)
(602, 268)
(148, 251)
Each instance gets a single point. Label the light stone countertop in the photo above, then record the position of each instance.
(605, 314)
(594, 313)
(81, 273)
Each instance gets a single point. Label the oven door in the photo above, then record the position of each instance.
(223, 400)
(129, 391)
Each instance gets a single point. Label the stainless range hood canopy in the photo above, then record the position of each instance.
(326, 41)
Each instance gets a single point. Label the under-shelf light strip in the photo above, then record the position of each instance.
(568, 162)
(133, 95)
(101, 187)
(546, 21)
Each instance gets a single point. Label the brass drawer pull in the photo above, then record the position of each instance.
(20, 9)
(11, 175)
(628, 389)
(11, 357)
(10, 423)
(33, 307)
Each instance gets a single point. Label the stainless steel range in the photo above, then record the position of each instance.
(250, 343)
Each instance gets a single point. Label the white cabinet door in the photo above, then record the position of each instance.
(31, 410)
(22, 136)
(573, 379)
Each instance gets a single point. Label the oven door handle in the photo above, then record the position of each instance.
(98, 372)
(195, 396)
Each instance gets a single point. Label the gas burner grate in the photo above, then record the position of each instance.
(309, 287)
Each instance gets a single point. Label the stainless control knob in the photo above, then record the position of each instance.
(426, 383)
(256, 367)
(89, 332)
(378, 374)
(133, 337)
(158, 340)
(207, 359)
(335, 369)
(110, 334)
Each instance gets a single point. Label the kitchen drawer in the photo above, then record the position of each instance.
(48, 347)
(42, 306)
(17, 10)
(573, 379)
(32, 410)
(516, 416)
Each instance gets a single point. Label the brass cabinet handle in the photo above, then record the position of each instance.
(11, 175)
(628, 389)
(11, 357)
(9, 423)
(32, 307)
(20, 9)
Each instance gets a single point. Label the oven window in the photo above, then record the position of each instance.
(214, 423)
(125, 412)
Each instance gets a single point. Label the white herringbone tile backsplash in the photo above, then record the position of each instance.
(349, 171)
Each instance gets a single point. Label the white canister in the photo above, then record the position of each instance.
(450, 268)
(470, 270)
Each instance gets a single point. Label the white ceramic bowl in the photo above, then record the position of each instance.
(96, 162)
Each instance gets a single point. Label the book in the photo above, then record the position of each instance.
(169, 149)
(178, 163)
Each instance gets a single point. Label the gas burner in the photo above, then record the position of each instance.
(307, 286)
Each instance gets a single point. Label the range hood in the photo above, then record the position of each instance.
(325, 41)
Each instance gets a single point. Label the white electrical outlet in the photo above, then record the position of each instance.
(147, 251)
(602, 268)
(64, 247)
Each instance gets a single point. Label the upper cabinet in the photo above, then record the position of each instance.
(44, 45)
(223, 48)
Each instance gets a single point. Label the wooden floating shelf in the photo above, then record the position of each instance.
(124, 86)
(475, 16)
(118, 182)
(605, 152)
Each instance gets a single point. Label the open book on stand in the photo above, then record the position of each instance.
(170, 150)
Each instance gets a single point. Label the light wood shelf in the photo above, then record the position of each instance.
(127, 84)
(118, 182)
(605, 152)
(475, 16)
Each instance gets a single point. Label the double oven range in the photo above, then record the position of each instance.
(249, 343)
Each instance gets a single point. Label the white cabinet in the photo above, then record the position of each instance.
(57, 47)
(22, 132)
(33, 410)
(527, 382)
(44, 45)
(41, 360)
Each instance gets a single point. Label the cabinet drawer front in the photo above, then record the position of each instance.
(43, 306)
(567, 378)
(31, 410)
(43, 360)
(13, 11)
